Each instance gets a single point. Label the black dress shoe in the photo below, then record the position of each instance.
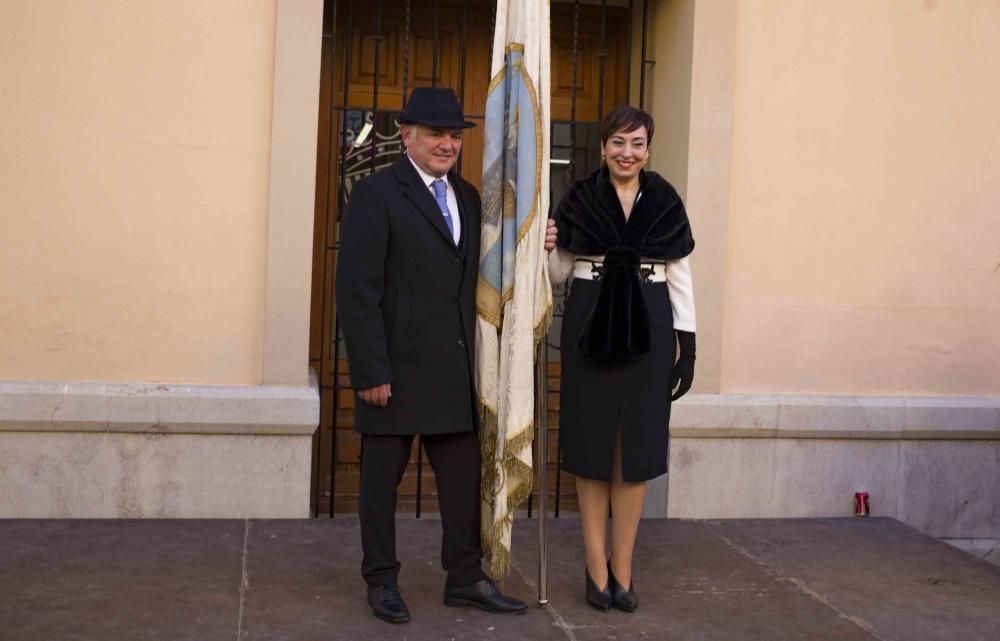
(600, 599)
(387, 603)
(483, 595)
(624, 600)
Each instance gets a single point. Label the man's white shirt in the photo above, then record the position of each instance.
(456, 218)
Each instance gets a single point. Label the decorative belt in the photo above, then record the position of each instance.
(649, 272)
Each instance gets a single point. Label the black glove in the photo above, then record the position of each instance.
(684, 367)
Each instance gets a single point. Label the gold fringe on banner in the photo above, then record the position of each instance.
(505, 467)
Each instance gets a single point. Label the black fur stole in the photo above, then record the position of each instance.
(591, 222)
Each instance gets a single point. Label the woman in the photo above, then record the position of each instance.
(624, 235)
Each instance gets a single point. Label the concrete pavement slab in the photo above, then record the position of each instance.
(884, 575)
(753, 580)
(304, 582)
(691, 585)
(82, 580)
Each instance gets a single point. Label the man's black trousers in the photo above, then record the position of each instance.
(455, 459)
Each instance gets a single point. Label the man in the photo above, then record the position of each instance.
(406, 279)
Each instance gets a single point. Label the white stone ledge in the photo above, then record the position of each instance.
(162, 409)
(253, 409)
(836, 417)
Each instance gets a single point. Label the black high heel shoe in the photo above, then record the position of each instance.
(600, 599)
(624, 600)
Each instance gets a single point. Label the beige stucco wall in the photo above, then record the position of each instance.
(668, 86)
(134, 189)
(689, 93)
(294, 121)
(864, 222)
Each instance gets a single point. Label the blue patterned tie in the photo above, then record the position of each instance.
(440, 194)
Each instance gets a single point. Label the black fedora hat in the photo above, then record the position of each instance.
(434, 107)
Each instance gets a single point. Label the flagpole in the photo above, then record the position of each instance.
(542, 463)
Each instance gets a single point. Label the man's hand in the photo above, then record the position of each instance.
(377, 396)
(550, 235)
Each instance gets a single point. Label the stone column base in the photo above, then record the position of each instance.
(94, 450)
(931, 462)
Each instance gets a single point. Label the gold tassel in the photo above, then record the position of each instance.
(519, 476)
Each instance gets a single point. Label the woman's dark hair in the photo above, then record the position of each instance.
(626, 118)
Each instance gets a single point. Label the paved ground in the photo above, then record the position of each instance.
(815, 579)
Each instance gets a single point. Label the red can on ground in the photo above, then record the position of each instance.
(861, 506)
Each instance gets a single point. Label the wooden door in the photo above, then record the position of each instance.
(390, 50)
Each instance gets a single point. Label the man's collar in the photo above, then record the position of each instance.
(424, 176)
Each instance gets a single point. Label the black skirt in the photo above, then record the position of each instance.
(597, 402)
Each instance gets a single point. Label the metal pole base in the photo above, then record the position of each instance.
(541, 461)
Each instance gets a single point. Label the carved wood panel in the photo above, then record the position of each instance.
(588, 67)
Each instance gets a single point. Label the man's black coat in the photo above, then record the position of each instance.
(406, 299)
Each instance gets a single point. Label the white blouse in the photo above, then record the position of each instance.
(679, 284)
